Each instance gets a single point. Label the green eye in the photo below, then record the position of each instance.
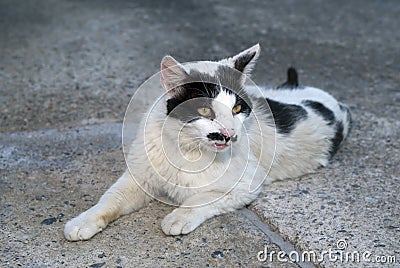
(204, 111)
(236, 109)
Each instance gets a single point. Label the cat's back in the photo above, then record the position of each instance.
(310, 124)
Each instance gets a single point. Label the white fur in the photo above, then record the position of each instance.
(168, 163)
(208, 67)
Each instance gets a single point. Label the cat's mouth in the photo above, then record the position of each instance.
(221, 141)
(220, 146)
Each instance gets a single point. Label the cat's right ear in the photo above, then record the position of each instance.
(172, 74)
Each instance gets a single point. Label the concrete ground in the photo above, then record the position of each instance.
(68, 69)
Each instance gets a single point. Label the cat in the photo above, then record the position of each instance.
(214, 140)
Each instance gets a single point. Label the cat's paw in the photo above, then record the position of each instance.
(83, 227)
(180, 221)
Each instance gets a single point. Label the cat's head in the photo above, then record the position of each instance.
(207, 99)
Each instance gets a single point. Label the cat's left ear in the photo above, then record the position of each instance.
(245, 60)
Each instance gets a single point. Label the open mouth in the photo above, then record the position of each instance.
(220, 146)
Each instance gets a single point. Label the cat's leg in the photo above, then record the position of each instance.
(186, 218)
(122, 198)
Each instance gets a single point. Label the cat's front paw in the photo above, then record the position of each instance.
(83, 227)
(180, 221)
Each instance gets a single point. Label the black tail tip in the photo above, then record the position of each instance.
(292, 77)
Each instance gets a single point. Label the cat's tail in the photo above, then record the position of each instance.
(292, 79)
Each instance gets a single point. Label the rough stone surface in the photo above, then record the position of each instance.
(68, 69)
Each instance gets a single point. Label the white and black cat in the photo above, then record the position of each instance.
(213, 141)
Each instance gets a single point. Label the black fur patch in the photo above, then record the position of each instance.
(246, 108)
(286, 115)
(292, 79)
(321, 110)
(215, 136)
(189, 98)
(337, 139)
(191, 91)
(192, 96)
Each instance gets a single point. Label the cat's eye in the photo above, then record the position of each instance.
(204, 111)
(236, 109)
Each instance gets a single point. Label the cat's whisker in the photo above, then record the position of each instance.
(197, 141)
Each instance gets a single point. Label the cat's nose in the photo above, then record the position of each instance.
(227, 132)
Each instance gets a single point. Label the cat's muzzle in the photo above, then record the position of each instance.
(216, 136)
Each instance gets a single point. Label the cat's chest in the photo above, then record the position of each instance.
(219, 174)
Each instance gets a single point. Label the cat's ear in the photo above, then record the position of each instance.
(245, 60)
(172, 74)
